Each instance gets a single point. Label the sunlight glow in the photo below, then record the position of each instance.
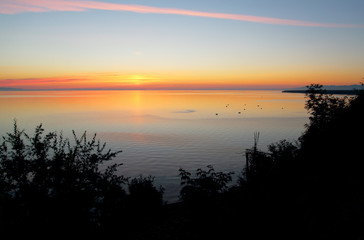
(81, 44)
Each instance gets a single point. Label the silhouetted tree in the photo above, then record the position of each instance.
(335, 122)
(332, 160)
(323, 109)
(318, 183)
(47, 181)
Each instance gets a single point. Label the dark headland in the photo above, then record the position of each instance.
(330, 89)
(342, 92)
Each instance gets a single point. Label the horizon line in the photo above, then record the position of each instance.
(6, 89)
(228, 88)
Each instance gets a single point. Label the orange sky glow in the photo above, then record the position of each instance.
(102, 44)
(271, 80)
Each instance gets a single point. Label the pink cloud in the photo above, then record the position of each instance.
(39, 81)
(19, 6)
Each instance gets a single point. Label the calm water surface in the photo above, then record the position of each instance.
(161, 131)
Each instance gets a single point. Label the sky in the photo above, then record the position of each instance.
(189, 44)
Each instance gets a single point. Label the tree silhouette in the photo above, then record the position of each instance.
(45, 180)
(323, 107)
(317, 183)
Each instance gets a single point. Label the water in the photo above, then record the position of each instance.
(162, 131)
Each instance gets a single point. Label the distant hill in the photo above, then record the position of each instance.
(331, 89)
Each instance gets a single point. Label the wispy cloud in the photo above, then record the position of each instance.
(92, 80)
(40, 82)
(20, 6)
(185, 111)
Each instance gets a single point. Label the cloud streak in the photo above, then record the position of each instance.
(21, 6)
(185, 111)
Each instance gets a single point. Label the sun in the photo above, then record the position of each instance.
(136, 79)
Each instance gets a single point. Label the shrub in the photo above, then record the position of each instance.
(205, 186)
(47, 181)
(143, 195)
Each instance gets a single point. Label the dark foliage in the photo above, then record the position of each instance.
(311, 189)
(317, 184)
(323, 107)
(143, 195)
(206, 185)
(332, 161)
(331, 145)
(49, 182)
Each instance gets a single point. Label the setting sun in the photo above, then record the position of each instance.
(137, 79)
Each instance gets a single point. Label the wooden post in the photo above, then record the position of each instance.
(247, 164)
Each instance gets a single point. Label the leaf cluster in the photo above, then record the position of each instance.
(323, 107)
(206, 184)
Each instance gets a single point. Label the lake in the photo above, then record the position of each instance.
(162, 131)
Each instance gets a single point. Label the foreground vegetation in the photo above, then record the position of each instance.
(309, 189)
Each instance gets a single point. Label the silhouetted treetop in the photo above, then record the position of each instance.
(323, 107)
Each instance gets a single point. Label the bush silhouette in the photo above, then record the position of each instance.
(47, 181)
(143, 195)
(206, 185)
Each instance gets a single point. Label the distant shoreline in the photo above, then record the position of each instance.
(132, 89)
(341, 92)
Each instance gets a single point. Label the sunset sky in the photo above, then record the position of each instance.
(189, 44)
